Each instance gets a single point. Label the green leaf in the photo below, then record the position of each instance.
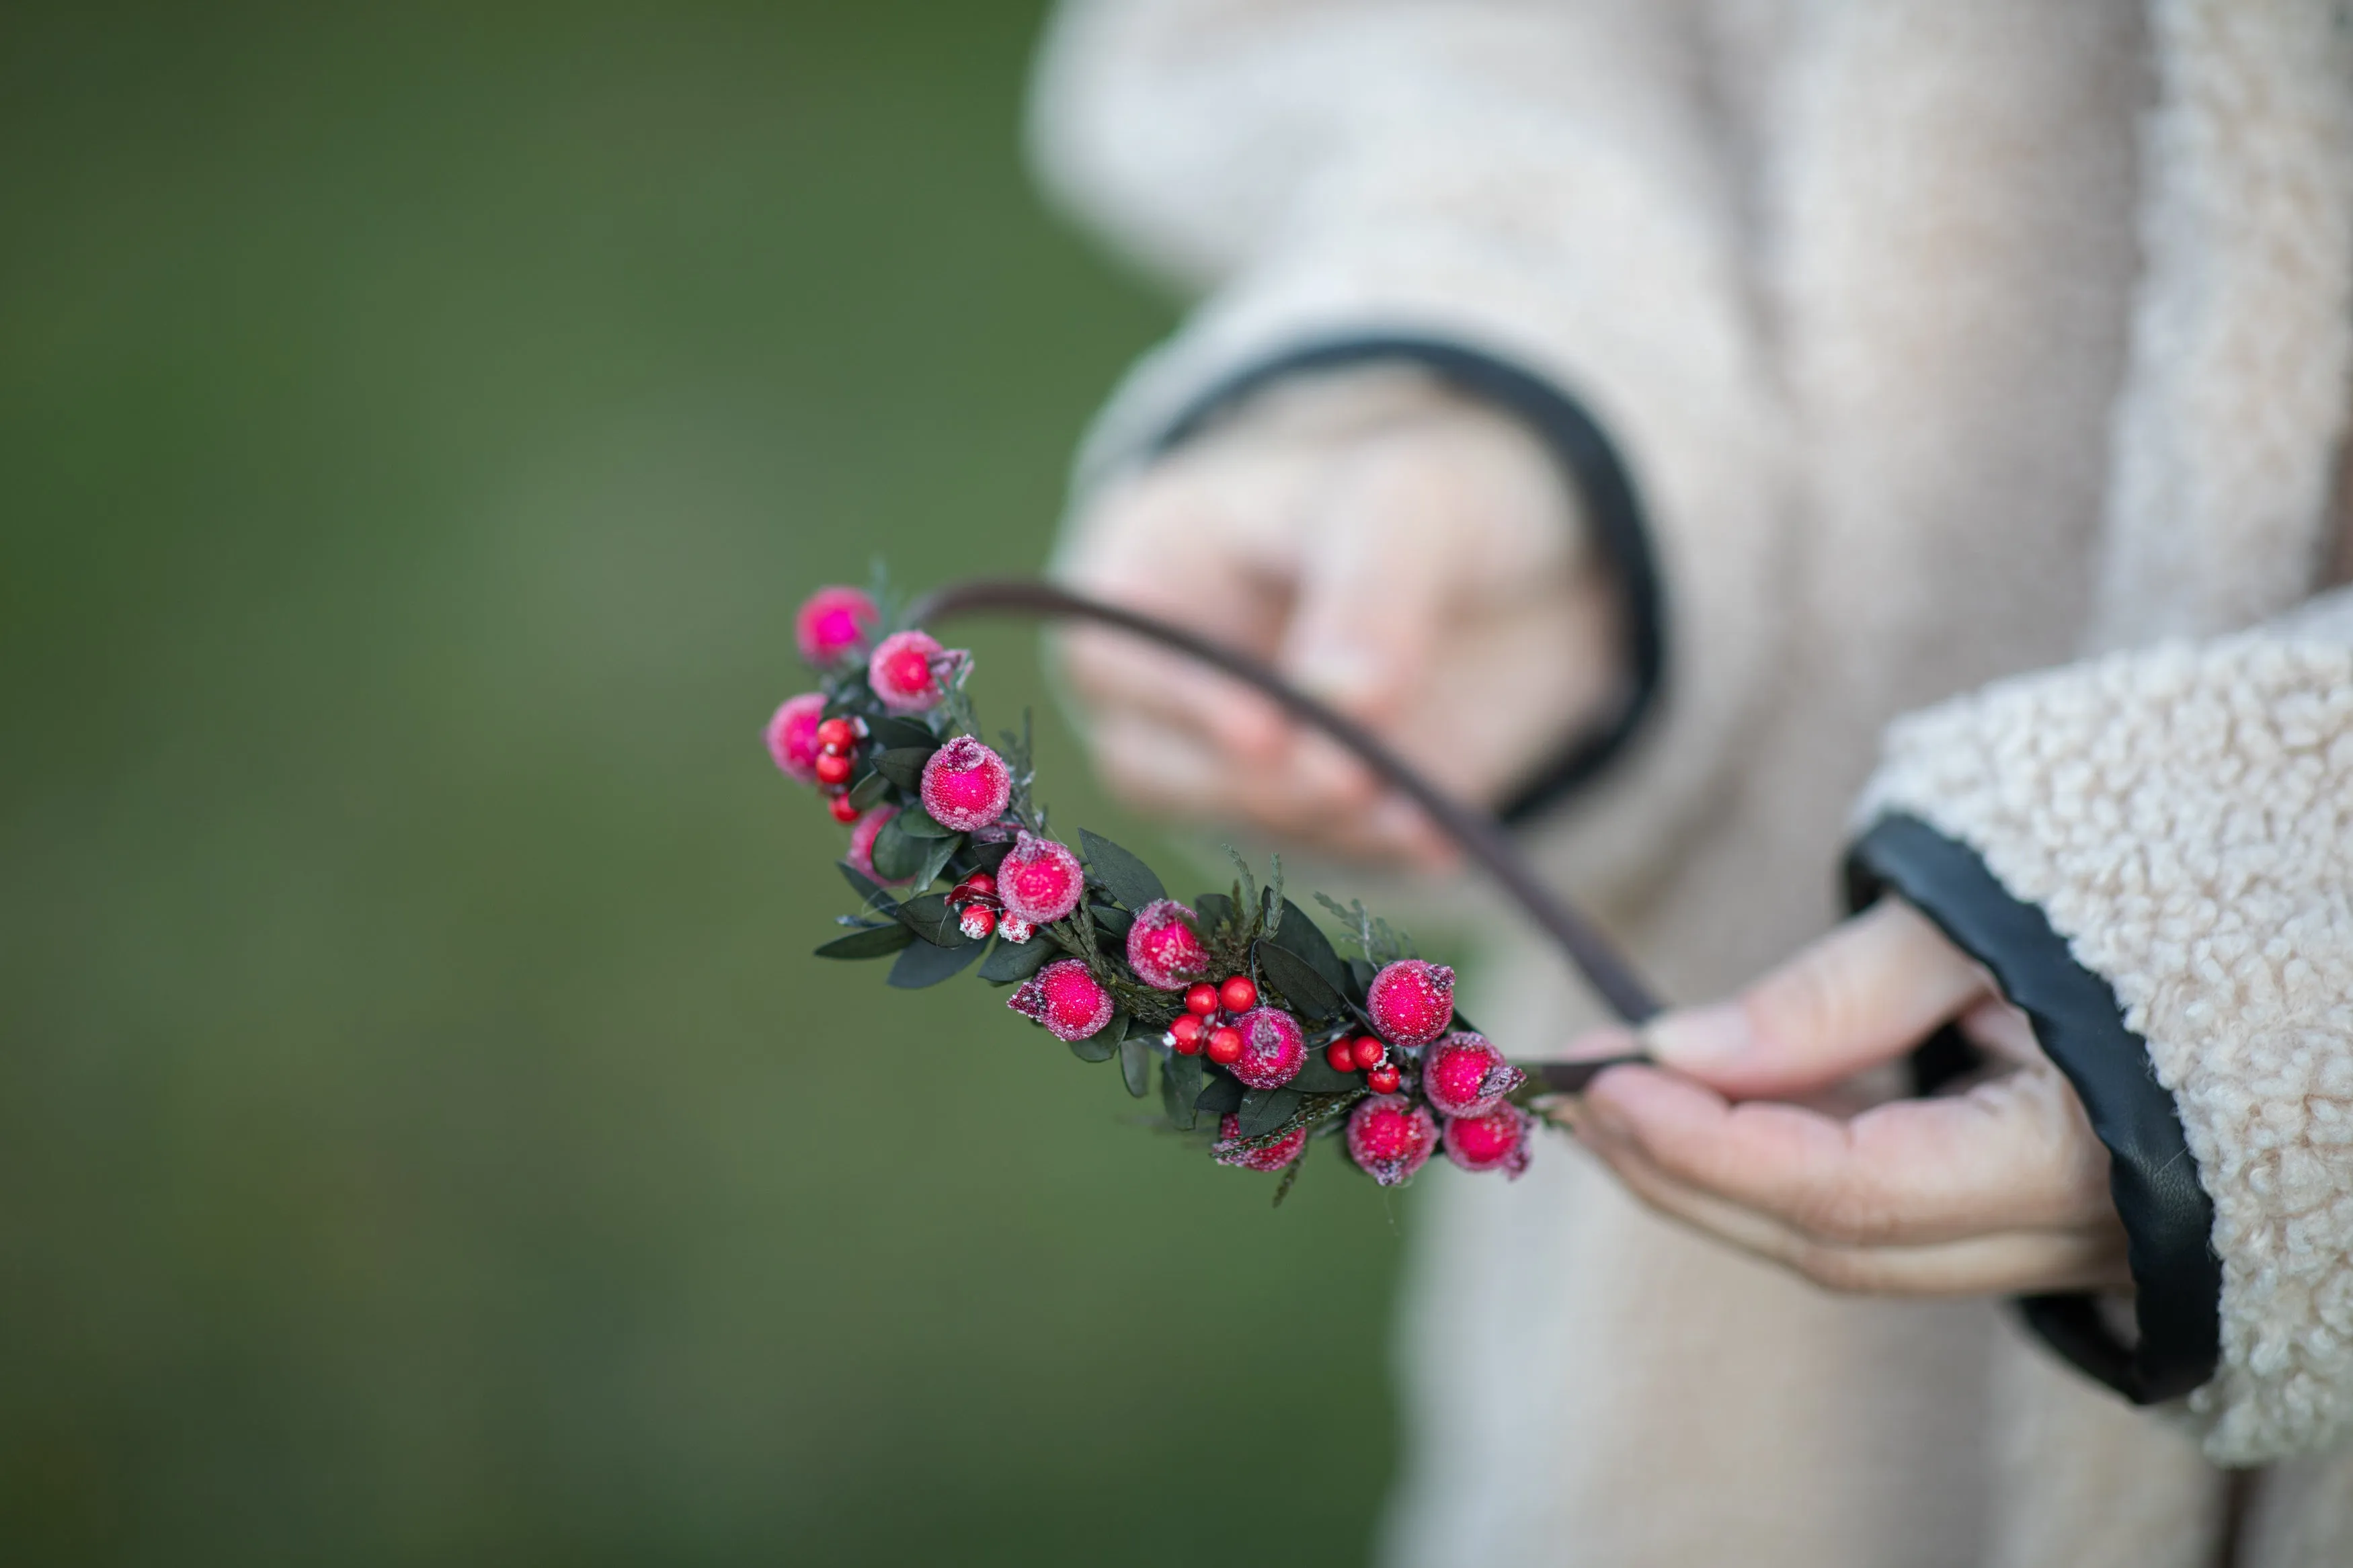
(1180, 1088)
(869, 791)
(986, 857)
(903, 765)
(1136, 1066)
(867, 889)
(924, 964)
(896, 856)
(1211, 910)
(1299, 934)
(875, 942)
(1362, 970)
(1220, 1096)
(1104, 1044)
(1306, 991)
(916, 823)
(1111, 922)
(899, 734)
(936, 858)
(1320, 1076)
(1264, 1110)
(1131, 881)
(1014, 962)
(930, 917)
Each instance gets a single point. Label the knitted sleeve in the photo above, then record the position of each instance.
(1527, 187)
(2173, 829)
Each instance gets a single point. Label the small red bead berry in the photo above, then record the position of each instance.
(1014, 929)
(843, 812)
(1274, 1047)
(1495, 1142)
(1229, 1149)
(1412, 1002)
(977, 922)
(1040, 880)
(1185, 1034)
(1342, 1059)
(1390, 1138)
(1464, 1075)
(979, 885)
(837, 733)
(1238, 995)
(833, 768)
(792, 735)
(1225, 1045)
(831, 622)
(966, 785)
(1384, 1080)
(1201, 999)
(1368, 1051)
(1163, 947)
(1065, 997)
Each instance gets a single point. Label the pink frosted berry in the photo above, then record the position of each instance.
(1014, 929)
(1274, 1047)
(904, 671)
(831, 622)
(966, 785)
(1229, 1149)
(1412, 1002)
(1163, 947)
(1495, 1142)
(1464, 1075)
(862, 834)
(1039, 880)
(1065, 998)
(1390, 1138)
(792, 735)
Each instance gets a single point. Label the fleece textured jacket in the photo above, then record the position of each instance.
(1983, 371)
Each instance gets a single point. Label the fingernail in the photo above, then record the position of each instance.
(1697, 1036)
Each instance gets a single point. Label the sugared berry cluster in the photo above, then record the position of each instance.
(1258, 1028)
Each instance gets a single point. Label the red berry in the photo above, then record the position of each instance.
(1162, 946)
(1186, 1033)
(1342, 1059)
(1368, 1051)
(1013, 929)
(1201, 999)
(1226, 1046)
(1383, 1080)
(832, 622)
(1274, 1047)
(843, 812)
(792, 735)
(979, 885)
(1390, 1138)
(902, 674)
(1465, 1075)
(1229, 1149)
(966, 785)
(837, 733)
(833, 768)
(1238, 995)
(1495, 1142)
(1412, 1002)
(1040, 880)
(1065, 997)
(977, 922)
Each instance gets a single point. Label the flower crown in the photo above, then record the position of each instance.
(1265, 1036)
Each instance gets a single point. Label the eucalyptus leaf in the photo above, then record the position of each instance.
(916, 823)
(1212, 910)
(1180, 1087)
(924, 964)
(903, 765)
(1017, 961)
(876, 942)
(896, 856)
(936, 858)
(1111, 922)
(897, 734)
(1297, 933)
(1136, 1066)
(986, 857)
(1320, 1076)
(1220, 1096)
(1104, 1044)
(930, 917)
(867, 889)
(1307, 992)
(1264, 1110)
(869, 791)
(1130, 880)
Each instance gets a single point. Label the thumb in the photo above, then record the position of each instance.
(1869, 990)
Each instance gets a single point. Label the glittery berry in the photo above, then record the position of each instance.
(1390, 1138)
(1495, 1142)
(1412, 1002)
(903, 673)
(1229, 1149)
(831, 622)
(1014, 929)
(1274, 1047)
(1201, 1000)
(1238, 995)
(1065, 998)
(792, 735)
(1464, 1075)
(1040, 880)
(966, 785)
(1162, 948)
(861, 844)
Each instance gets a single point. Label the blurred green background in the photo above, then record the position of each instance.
(422, 1135)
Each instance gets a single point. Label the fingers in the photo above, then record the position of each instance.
(1867, 992)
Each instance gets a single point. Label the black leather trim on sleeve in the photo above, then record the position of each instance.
(2168, 1219)
(1584, 452)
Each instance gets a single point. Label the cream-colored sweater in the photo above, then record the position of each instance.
(1950, 346)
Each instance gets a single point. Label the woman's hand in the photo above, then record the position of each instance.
(2001, 1189)
(1412, 557)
